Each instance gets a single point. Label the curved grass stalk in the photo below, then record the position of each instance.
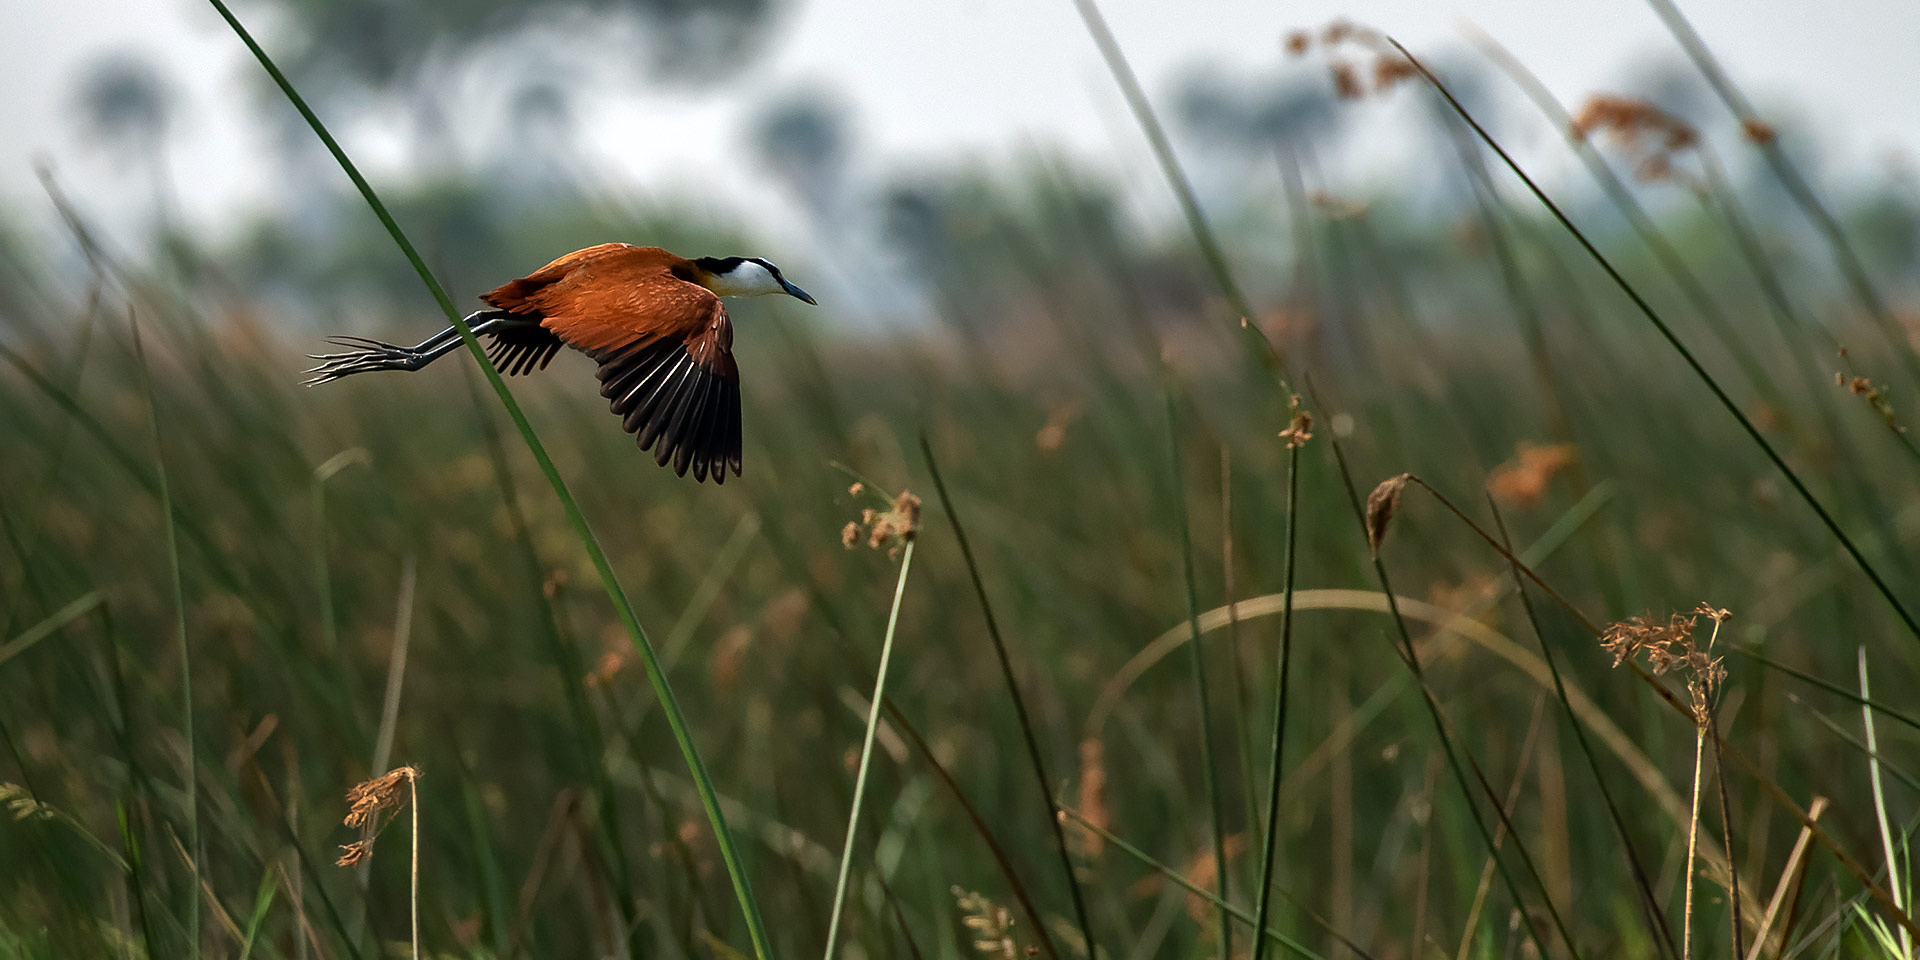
(866, 753)
(656, 675)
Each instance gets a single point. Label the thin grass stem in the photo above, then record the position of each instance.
(192, 771)
(1880, 805)
(1210, 774)
(866, 754)
(1271, 834)
(1013, 690)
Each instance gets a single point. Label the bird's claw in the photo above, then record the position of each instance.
(374, 355)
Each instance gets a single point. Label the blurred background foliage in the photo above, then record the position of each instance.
(1040, 326)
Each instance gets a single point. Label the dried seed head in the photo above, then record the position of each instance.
(1299, 431)
(365, 801)
(1864, 388)
(1298, 42)
(857, 488)
(612, 661)
(1391, 68)
(1381, 504)
(891, 530)
(1758, 131)
(383, 792)
(1346, 81)
(1523, 480)
(1671, 646)
(355, 852)
(992, 924)
(20, 803)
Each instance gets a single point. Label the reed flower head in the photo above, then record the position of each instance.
(890, 529)
(1671, 646)
(366, 800)
(990, 923)
(1300, 429)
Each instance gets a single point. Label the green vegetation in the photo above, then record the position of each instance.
(226, 600)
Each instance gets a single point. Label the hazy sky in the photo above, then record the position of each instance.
(932, 79)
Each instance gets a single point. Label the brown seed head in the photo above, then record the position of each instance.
(891, 530)
(992, 924)
(1671, 646)
(1297, 43)
(355, 852)
(1758, 131)
(1381, 504)
(1391, 68)
(383, 792)
(1299, 431)
(1523, 480)
(1346, 81)
(365, 801)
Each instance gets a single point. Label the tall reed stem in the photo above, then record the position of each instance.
(1280, 711)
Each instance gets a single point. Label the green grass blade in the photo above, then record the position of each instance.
(192, 772)
(1796, 185)
(1280, 710)
(656, 675)
(1013, 690)
(1673, 340)
(1829, 686)
(1210, 773)
(866, 754)
(1894, 885)
(1648, 902)
(80, 607)
(1410, 657)
(262, 902)
(1203, 893)
(1203, 238)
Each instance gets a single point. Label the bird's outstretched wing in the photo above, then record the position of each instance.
(664, 346)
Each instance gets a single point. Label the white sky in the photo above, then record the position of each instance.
(935, 79)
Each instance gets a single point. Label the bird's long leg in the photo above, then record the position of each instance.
(371, 355)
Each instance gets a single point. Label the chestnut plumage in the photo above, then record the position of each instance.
(654, 323)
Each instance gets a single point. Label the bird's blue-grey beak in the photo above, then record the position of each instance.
(798, 293)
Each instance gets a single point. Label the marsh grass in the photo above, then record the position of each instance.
(181, 524)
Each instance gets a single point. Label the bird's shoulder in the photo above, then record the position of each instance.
(615, 293)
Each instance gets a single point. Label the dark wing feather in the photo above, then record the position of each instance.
(685, 412)
(522, 348)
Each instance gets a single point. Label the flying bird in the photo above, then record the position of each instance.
(654, 323)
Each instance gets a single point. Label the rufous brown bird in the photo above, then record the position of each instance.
(654, 323)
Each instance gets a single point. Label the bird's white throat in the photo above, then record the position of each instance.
(748, 278)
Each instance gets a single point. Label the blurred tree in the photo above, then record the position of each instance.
(127, 107)
(382, 45)
(804, 140)
(1251, 116)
